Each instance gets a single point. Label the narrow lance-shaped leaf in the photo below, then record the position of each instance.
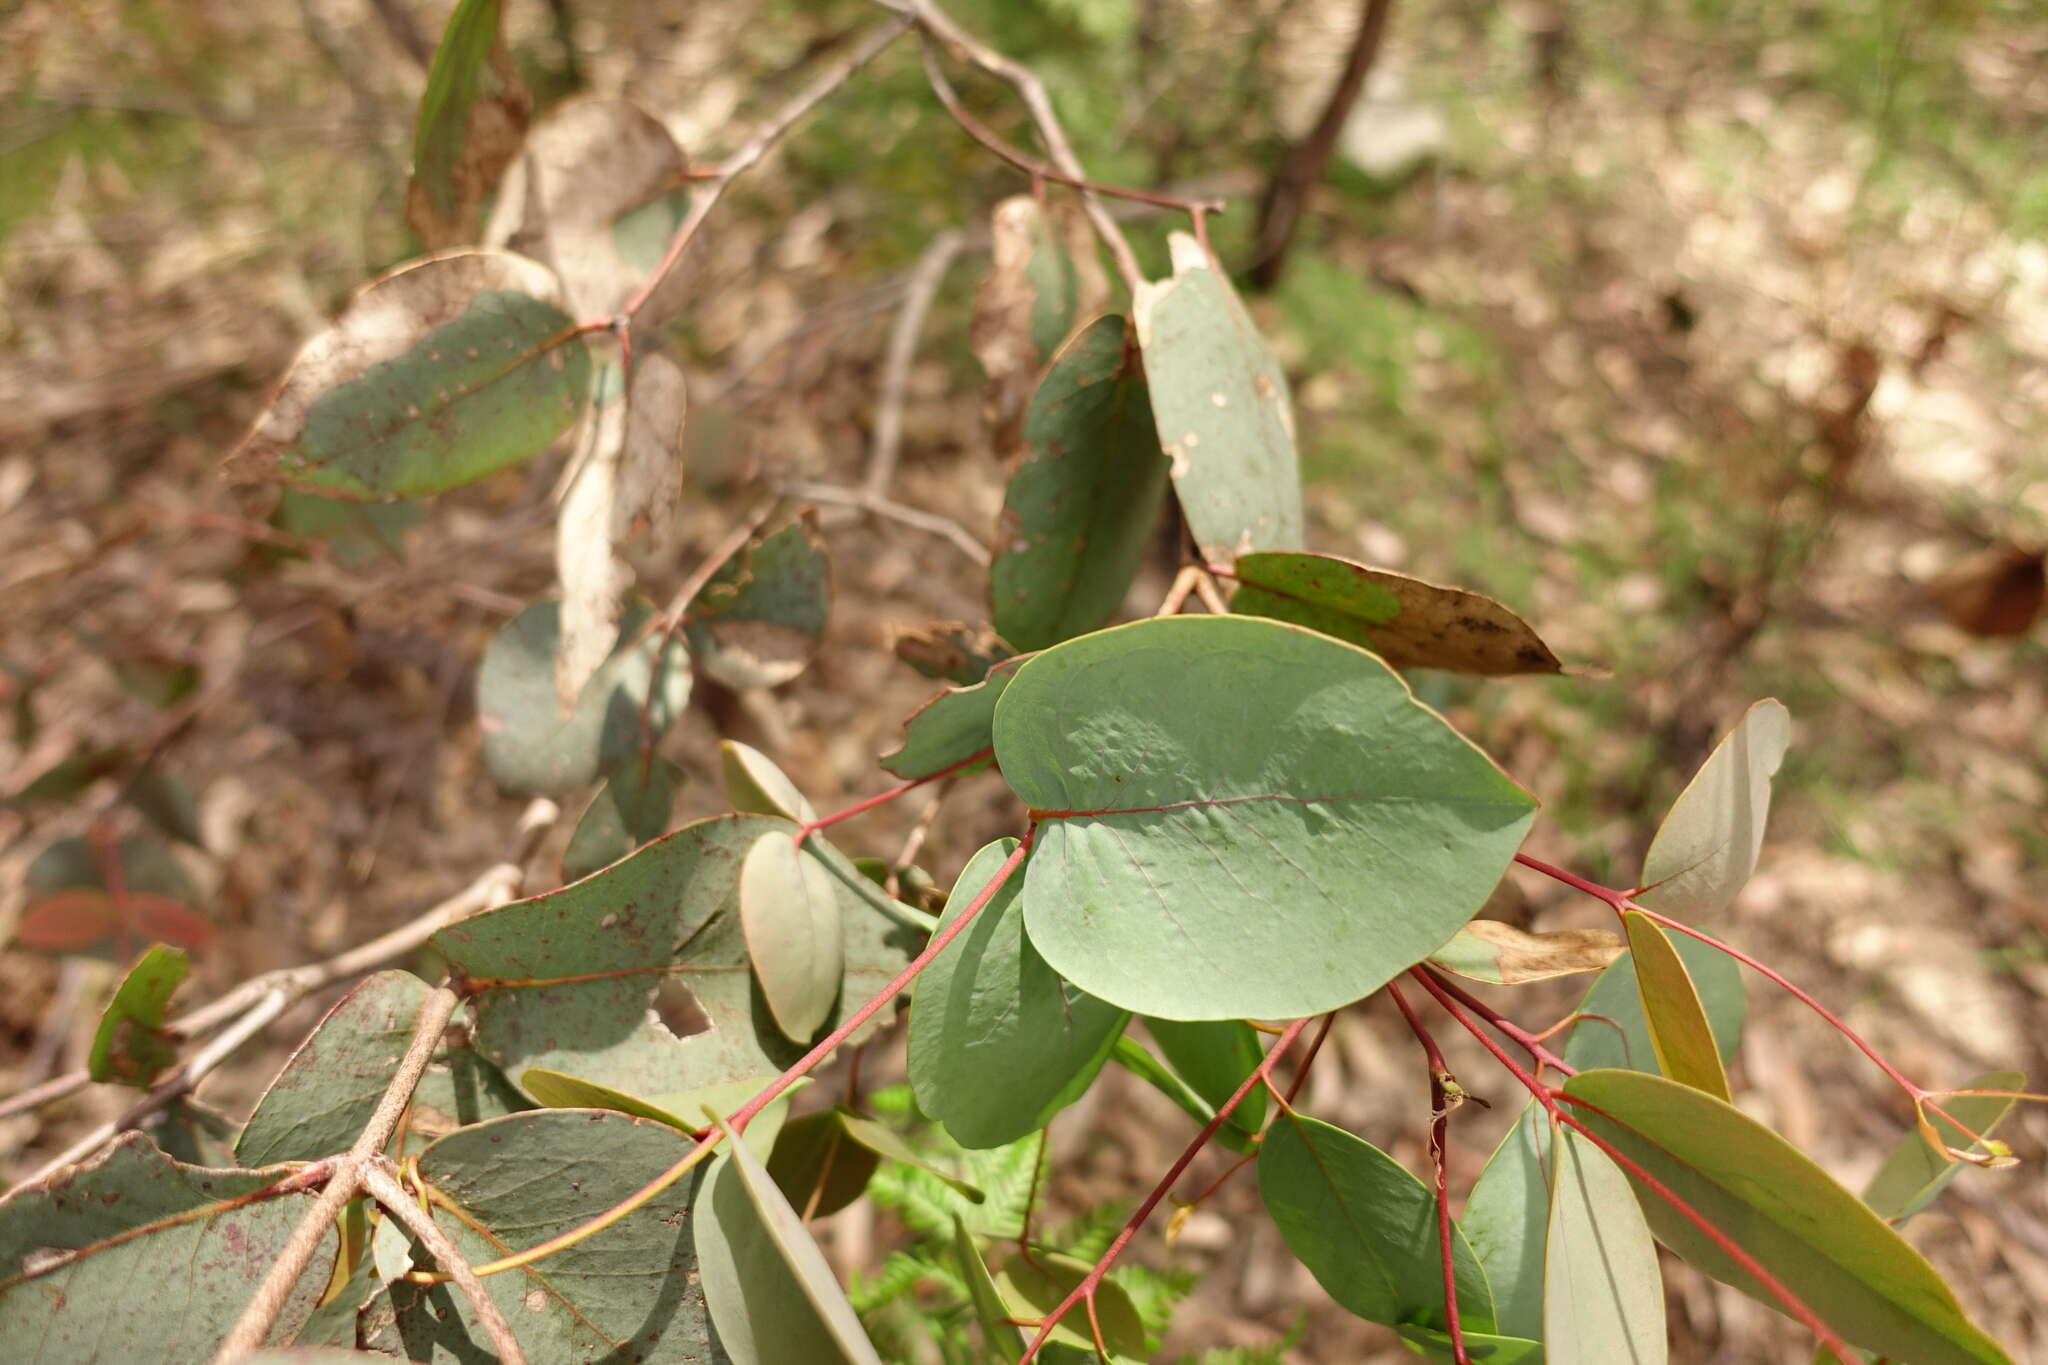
(1615, 1033)
(1507, 1221)
(1603, 1295)
(130, 1046)
(438, 374)
(1001, 1336)
(1707, 846)
(1680, 1035)
(1242, 819)
(789, 909)
(1082, 505)
(1488, 950)
(998, 1042)
(472, 115)
(1219, 400)
(1818, 1240)
(1406, 621)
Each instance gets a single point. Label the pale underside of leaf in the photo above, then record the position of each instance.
(1707, 846)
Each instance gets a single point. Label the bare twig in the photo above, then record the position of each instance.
(925, 280)
(890, 510)
(381, 1182)
(345, 1181)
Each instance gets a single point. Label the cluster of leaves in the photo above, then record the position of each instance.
(1237, 817)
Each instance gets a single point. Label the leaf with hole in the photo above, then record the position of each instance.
(1502, 955)
(130, 1045)
(81, 1241)
(532, 745)
(1680, 1036)
(1406, 621)
(762, 616)
(1220, 403)
(1240, 819)
(630, 809)
(789, 910)
(952, 728)
(472, 116)
(1603, 1295)
(1082, 506)
(999, 1043)
(1707, 846)
(950, 651)
(1365, 1227)
(1818, 1240)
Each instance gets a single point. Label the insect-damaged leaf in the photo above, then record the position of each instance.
(531, 745)
(564, 981)
(1680, 1035)
(1819, 1241)
(436, 375)
(1488, 950)
(631, 808)
(80, 1242)
(1240, 819)
(472, 115)
(761, 617)
(1046, 274)
(1707, 846)
(1219, 399)
(953, 727)
(789, 910)
(1603, 1295)
(1406, 621)
(1365, 1226)
(998, 1042)
(629, 1292)
(1082, 506)
(130, 1045)
(771, 1293)
(949, 650)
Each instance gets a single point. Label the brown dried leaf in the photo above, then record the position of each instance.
(472, 119)
(1996, 592)
(1487, 950)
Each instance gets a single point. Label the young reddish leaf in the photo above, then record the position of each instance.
(166, 921)
(1219, 399)
(1082, 507)
(952, 727)
(1240, 819)
(1707, 846)
(1818, 1240)
(1488, 950)
(130, 1046)
(762, 616)
(1914, 1172)
(631, 808)
(790, 912)
(1996, 592)
(998, 1042)
(438, 374)
(472, 115)
(1603, 1294)
(753, 784)
(1406, 621)
(69, 921)
(1680, 1035)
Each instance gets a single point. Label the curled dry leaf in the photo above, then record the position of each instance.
(436, 375)
(1047, 273)
(1488, 950)
(1406, 621)
(472, 117)
(1996, 592)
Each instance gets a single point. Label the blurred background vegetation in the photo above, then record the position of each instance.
(1711, 337)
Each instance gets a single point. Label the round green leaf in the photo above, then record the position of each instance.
(1821, 1242)
(1242, 819)
(438, 374)
(1083, 503)
(998, 1042)
(331, 1085)
(1707, 846)
(1033, 1288)
(753, 784)
(1603, 1294)
(789, 910)
(1365, 1227)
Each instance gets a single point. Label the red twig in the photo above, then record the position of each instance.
(866, 804)
(1531, 1043)
(1439, 1134)
(1093, 1279)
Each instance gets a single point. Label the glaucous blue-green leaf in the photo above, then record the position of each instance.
(1818, 1240)
(597, 979)
(999, 1043)
(772, 1295)
(631, 808)
(1481, 1348)
(1707, 846)
(755, 786)
(532, 745)
(132, 1256)
(1406, 621)
(1134, 1057)
(472, 114)
(1914, 1173)
(441, 373)
(331, 1085)
(1220, 403)
(1491, 951)
(130, 1045)
(1507, 1219)
(1620, 1036)
(952, 728)
(1001, 1336)
(1084, 501)
(1032, 1288)
(629, 1292)
(1365, 1227)
(1241, 819)
(760, 618)
(356, 534)
(1603, 1294)
(1680, 1035)
(1214, 1056)
(789, 912)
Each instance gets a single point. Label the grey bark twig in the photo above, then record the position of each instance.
(925, 280)
(889, 510)
(382, 1185)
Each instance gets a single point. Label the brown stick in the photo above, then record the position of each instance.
(382, 1185)
(1308, 160)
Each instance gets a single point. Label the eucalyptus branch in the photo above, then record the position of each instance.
(930, 522)
(1440, 1105)
(380, 1182)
